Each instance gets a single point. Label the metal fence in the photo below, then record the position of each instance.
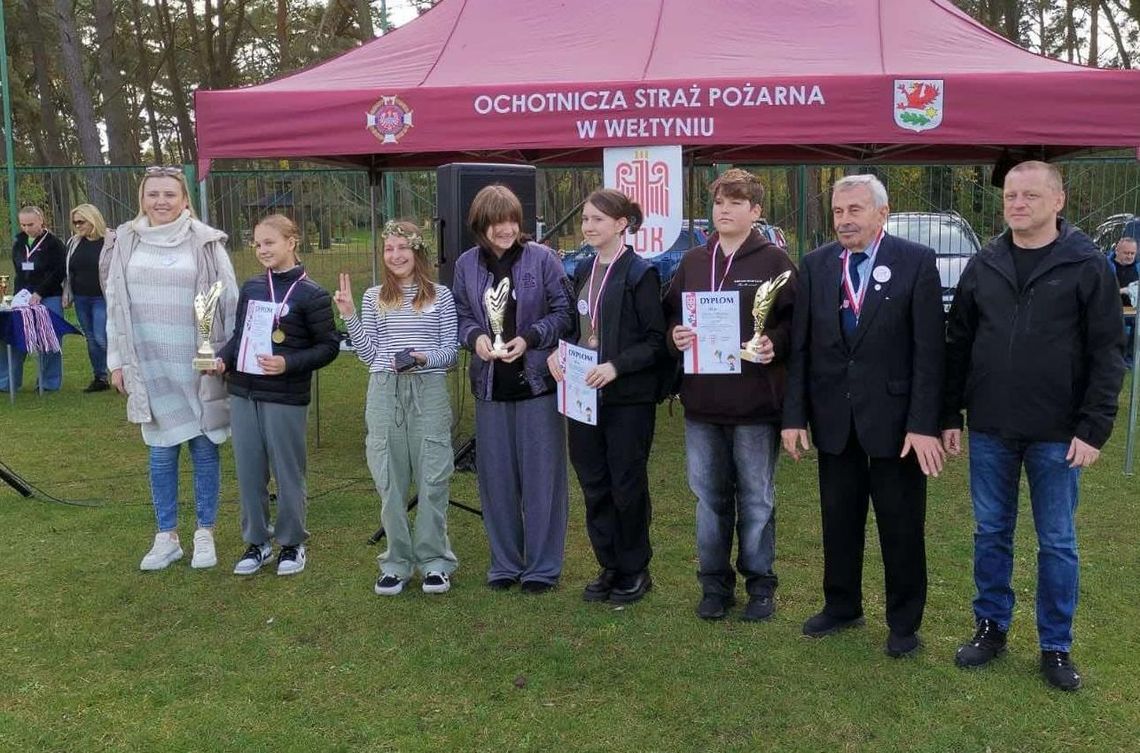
(334, 207)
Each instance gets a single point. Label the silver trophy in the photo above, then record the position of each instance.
(495, 301)
(205, 309)
(762, 304)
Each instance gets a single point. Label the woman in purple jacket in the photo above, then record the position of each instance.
(519, 434)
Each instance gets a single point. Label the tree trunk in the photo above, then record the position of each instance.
(145, 79)
(52, 143)
(364, 19)
(1094, 32)
(186, 143)
(283, 63)
(121, 142)
(71, 62)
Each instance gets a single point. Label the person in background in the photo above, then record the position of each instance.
(1126, 266)
(39, 259)
(83, 286)
(521, 443)
(405, 333)
(618, 299)
(161, 260)
(270, 393)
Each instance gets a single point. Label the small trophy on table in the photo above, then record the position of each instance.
(495, 301)
(5, 299)
(762, 304)
(205, 309)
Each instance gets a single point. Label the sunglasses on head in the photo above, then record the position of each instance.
(164, 170)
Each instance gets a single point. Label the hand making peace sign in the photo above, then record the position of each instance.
(343, 297)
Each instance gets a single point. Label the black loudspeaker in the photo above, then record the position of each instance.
(456, 186)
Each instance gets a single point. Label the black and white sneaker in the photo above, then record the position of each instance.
(388, 585)
(290, 560)
(436, 583)
(255, 556)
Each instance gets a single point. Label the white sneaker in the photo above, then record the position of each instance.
(204, 553)
(436, 582)
(290, 560)
(255, 556)
(166, 550)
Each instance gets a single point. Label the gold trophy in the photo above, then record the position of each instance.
(762, 304)
(205, 308)
(5, 299)
(495, 301)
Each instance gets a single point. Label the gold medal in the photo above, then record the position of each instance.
(592, 341)
(278, 336)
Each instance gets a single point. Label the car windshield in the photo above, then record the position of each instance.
(945, 236)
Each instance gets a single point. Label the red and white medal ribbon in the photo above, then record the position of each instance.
(594, 307)
(855, 297)
(30, 251)
(712, 267)
(273, 298)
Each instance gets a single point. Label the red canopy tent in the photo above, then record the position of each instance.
(731, 80)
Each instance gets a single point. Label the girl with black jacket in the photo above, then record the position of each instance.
(618, 301)
(270, 392)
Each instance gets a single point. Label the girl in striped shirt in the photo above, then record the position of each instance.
(406, 334)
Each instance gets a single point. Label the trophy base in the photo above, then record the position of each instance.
(748, 355)
(498, 352)
(204, 364)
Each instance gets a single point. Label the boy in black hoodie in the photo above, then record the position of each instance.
(732, 421)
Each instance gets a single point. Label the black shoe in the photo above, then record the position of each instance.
(599, 588)
(627, 591)
(899, 646)
(988, 644)
(715, 606)
(536, 587)
(760, 607)
(1059, 670)
(97, 385)
(500, 584)
(823, 624)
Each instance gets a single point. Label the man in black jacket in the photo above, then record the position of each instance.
(865, 371)
(1033, 355)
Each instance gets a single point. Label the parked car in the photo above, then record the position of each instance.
(953, 240)
(692, 234)
(1114, 228)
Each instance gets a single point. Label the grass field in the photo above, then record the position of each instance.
(98, 656)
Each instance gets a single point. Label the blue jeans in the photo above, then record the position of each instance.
(51, 364)
(995, 471)
(164, 482)
(732, 470)
(92, 313)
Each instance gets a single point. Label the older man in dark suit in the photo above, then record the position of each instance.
(865, 373)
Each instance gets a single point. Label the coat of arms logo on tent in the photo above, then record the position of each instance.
(389, 119)
(918, 103)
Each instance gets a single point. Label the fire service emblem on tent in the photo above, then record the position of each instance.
(389, 119)
(918, 103)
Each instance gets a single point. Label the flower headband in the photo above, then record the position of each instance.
(414, 239)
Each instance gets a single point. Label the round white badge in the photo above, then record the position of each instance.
(881, 274)
(583, 307)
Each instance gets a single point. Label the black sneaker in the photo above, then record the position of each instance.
(97, 385)
(819, 625)
(760, 607)
(290, 560)
(628, 590)
(1059, 670)
(536, 587)
(255, 556)
(987, 644)
(599, 588)
(501, 584)
(388, 585)
(715, 606)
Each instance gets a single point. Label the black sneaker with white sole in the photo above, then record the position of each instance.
(255, 556)
(388, 585)
(436, 582)
(290, 560)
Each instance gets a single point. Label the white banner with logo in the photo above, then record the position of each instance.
(651, 176)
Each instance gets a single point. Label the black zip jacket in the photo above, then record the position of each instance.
(632, 330)
(311, 340)
(50, 265)
(1041, 363)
